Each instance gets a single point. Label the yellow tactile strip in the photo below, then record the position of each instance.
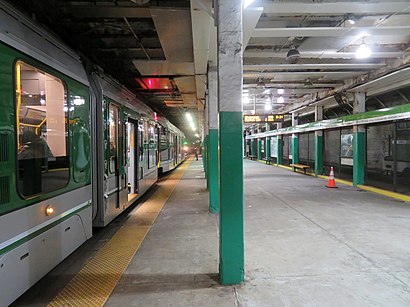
(94, 283)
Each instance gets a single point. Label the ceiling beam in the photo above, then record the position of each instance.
(250, 19)
(275, 67)
(319, 54)
(331, 31)
(334, 8)
(301, 73)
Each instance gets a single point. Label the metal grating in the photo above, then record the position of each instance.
(4, 148)
(4, 190)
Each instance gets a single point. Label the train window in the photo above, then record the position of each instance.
(113, 136)
(141, 140)
(152, 154)
(42, 131)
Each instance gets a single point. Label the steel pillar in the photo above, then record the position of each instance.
(231, 248)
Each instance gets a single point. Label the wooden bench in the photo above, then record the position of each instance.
(267, 160)
(252, 157)
(300, 166)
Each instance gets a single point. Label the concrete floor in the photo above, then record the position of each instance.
(305, 245)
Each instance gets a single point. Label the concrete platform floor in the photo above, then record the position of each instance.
(305, 245)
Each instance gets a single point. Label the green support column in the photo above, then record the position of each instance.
(359, 154)
(231, 226)
(213, 171)
(205, 158)
(318, 153)
(213, 135)
(279, 159)
(259, 149)
(267, 148)
(295, 139)
(318, 143)
(295, 149)
(254, 146)
(231, 199)
(207, 161)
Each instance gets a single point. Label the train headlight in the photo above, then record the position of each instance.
(49, 210)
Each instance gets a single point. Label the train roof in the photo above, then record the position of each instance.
(21, 33)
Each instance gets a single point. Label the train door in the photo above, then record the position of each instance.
(176, 150)
(113, 153)
(140, 154)
(132, 158)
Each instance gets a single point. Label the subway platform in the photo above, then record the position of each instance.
(305, 245)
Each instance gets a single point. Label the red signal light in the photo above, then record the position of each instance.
(155, 116)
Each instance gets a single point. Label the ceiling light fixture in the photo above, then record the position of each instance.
(363, 52)
(281, 99)
(308, 82)
(189, 117)
(245, 100)
(350, 19)
(293, 55)
(281, 91)
(268, 107)
(260, 83)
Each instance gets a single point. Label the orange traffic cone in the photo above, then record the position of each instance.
(331, 183)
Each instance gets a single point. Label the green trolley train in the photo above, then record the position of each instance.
(76, 149)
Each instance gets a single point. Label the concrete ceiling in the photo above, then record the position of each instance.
(327, 43)
(161, 49)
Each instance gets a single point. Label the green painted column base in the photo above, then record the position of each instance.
(267, 148)
(359, 156)
(213, 171)
(231, 248)
(204, 153)
(295, 150)
(318, 155)
(259, 149)
(279, 159)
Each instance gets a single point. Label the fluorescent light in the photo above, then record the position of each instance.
(281, 99)
(281, 91)
(245, 100)
(268, 107)
(363, 52)
(246, 3)
(267, 91)
(189, 117)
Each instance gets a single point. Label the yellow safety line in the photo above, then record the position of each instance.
(395, 195)
(93, 285)
(384, 192)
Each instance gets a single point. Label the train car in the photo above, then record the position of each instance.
(45, 154)
(171, 152)
(76, 149)
(125, 148)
